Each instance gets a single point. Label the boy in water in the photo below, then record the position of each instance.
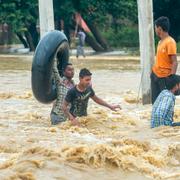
(79, 96)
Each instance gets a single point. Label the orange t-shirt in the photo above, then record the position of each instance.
(163, 64)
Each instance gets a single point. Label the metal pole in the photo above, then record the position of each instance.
(146, 39)
(46, 16)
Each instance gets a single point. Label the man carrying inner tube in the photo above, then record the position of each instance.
(62, 85)
(78, 97)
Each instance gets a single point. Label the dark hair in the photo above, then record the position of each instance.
(172, 81)
(84, 72)
(163, 22)
(66, 65)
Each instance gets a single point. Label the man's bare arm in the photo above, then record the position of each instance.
(68, 114)
(66, 111)
(174, 64)
(104, 103)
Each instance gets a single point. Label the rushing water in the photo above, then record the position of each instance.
(107, 146)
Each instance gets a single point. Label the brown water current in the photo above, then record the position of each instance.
(108, 145)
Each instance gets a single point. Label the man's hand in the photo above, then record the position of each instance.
(103, 103)
(114, 107)
(74, 121)
(69, 115)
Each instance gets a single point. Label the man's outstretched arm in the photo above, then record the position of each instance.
(104, 103)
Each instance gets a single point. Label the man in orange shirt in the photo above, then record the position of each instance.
(166, 60)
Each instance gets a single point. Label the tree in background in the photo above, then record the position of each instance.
(113, 23)
(22, 17)
(65, 11)
(99, 16)
(171, 9)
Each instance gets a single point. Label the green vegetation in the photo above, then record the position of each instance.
(126, 37)
(21, 16)
(113, 23)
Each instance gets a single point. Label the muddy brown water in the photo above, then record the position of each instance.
(108, 145)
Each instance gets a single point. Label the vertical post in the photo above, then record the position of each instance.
(146, 39)
(46, 16)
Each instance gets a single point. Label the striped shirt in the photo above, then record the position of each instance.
(62, 90)
(163, 109)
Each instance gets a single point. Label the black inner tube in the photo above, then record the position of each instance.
(53, 46)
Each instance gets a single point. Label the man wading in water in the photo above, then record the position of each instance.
(79, 96)
(62, 85)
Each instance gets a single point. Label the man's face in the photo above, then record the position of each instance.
(69, 72)
(177, 90)
(158, 31)
(85, 81)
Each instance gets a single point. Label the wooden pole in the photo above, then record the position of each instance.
(46, 16)
(146, 39)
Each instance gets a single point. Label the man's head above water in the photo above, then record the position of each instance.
(68, 71)
(162, 26)
(173, 83)
(85, 77)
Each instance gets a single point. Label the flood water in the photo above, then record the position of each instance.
(108, 145)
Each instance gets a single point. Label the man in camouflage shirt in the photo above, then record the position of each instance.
(63, 84)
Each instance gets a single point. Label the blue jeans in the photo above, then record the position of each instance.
(55, 119)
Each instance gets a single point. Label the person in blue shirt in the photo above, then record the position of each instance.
(163, 107)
